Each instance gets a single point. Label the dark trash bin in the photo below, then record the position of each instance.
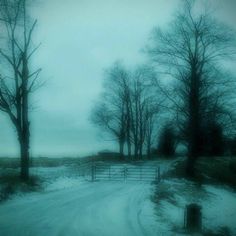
(193, 217)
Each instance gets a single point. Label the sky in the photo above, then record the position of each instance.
(79, 40)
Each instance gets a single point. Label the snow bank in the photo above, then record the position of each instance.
(62, 183)
(220, 208)
(218, 205)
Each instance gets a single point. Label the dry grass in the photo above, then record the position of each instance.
(209, 170)
(11, 183)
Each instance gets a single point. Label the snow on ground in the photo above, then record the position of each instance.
(71, 205)
(99, 208)
(56, 178)
(53, 178)
(218, 205)
(220, 208)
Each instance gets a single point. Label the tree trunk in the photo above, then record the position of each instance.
(129, 148)
(141, 151)
(194, 124)
(135, 149)
(121, 147)
(149, 150)
(128, 131)
(23, 137)
(25, 125)
(128, 139)
(149, 137)
(24, 147)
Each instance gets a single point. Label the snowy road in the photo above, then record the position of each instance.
(100, 208)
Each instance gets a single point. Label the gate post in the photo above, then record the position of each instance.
(141, 173)
(158, 174)
(125, 173)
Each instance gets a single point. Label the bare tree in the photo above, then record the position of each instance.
(192, 49)
(110, 113)
(17, 80)
(145, 107)
(151, 122)
(137, 110)
(127, 109)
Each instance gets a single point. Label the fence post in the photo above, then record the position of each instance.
(193, 217)
(158, 174)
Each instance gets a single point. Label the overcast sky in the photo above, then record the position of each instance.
(80, 38)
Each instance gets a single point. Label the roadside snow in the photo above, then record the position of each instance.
(220, 209)
(57, 178)
(62, 183)
(218, 205)
(70, 205)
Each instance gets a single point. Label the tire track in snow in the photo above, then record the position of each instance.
(100, 208)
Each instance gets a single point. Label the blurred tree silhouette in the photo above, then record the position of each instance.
(17, 80)
(193, 50)
(128, 108)
(167, 141)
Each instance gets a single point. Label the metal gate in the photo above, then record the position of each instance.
(119, 172)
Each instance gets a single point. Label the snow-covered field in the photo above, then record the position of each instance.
(71, 205)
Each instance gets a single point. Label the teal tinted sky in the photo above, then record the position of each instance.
(80, 38)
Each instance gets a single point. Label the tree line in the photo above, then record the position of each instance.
(128, 109)
(187, 79)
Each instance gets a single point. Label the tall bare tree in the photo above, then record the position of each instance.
(110, 113)
(127, 109)
(17, 80)
(145, 107)
(193, 49)
(151, 122)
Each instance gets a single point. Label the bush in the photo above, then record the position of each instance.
(217, 171)
(12, 183)
(216, 140)
(232, 166)
(167, 142)
(6, 191)
(231, 143)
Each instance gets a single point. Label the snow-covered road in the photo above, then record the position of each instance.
(100, 208)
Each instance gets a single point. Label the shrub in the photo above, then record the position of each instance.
(167, 142)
